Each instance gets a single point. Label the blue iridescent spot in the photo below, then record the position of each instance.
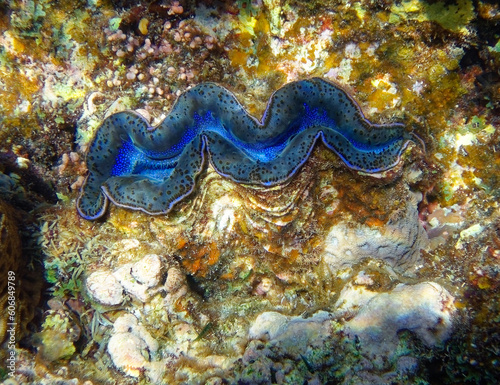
(149, 168)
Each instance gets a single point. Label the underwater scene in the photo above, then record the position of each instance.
(250, 192)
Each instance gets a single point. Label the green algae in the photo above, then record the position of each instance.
(56, 338)
(114, 23)
(453, 16)
(27, 16)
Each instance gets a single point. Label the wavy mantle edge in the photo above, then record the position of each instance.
(107, 195)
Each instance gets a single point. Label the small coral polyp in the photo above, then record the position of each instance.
(146, 168)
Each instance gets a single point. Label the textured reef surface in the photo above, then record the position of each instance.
(151, 168)
(331, 241)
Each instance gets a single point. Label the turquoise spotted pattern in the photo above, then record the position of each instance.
(147, 168)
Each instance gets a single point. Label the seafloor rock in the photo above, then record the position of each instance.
(105, 288)
(131, 345)
(279, 342)
(374, 325)
(425, 309)
(56, 340)
(295, 331)
(135, 279)
(398, 242)
(147, 271)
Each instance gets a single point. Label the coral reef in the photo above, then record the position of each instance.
(337, 275)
